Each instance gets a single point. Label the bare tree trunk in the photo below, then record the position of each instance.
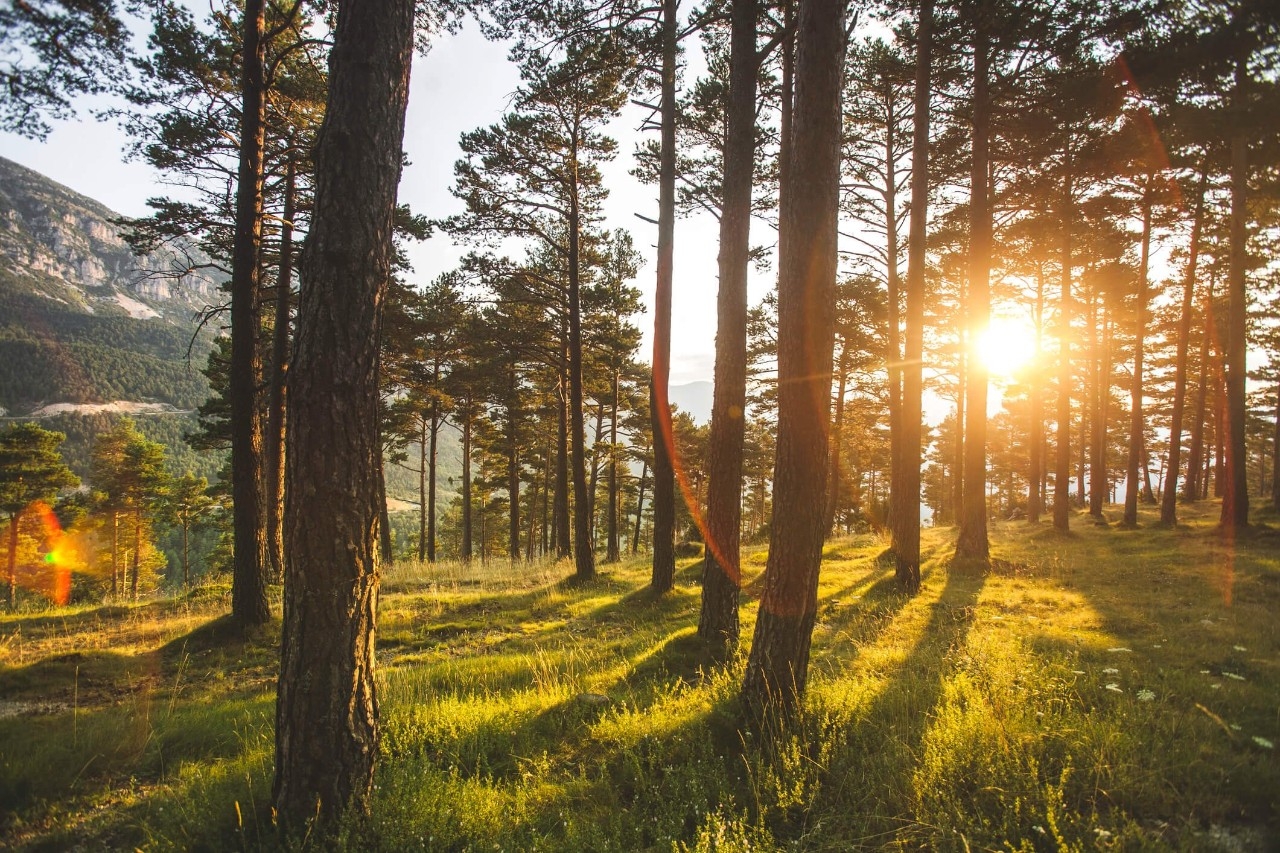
(635, 536)
(584, 557)
(612, 552)
(1275, 457)
(277, 401)
(664, 487)
(249, 578)
(1099, 485)
(327, 709)
(1035, 399)
(1235, 493)
(433, 439)
(835, 467)
(513, 467)
(560, 514)
(1062, 470)
(907, 549)
(13, 561)
(466, 483)
(777, 669)
(1136, 421)
(1169, 497)
(422, 489)
(593, 479)
(971, 543)
(721, 570)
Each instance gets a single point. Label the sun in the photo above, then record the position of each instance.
(1007, 346)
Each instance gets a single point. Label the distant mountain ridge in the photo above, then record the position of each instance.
(88, 332)
(66, 248)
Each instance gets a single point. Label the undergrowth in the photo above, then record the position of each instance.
(1112, 689)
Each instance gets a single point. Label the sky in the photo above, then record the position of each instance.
(463, 83)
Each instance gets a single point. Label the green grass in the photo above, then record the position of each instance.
(1109, 689)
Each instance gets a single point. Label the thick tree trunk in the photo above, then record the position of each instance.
(907, 548)
(1235, 492)
(277, 400)
(721, 570)
(664, 484)
(777, 669)
(249, 577)
(1132, 486)
(327, 710)
(1169, 496)
(972, 543)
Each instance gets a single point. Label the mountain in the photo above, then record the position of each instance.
(87, 330)
(694, 398)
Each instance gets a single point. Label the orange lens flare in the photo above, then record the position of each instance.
(44, 561)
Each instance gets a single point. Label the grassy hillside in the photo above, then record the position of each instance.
(1105, 690)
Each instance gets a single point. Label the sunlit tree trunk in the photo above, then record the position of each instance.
(1169, 498)
(277, 401)
(777, 669)
(664, 487)
(907, 548)
(721, 572)
(1235, 492)
(327, 709)
(971, 543)
(249, 578)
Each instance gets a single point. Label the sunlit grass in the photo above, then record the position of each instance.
(1111, 689)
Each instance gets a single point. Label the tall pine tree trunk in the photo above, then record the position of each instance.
(612, 553)
(664, 483)
(721, 571)
(635, 536)
(423, 430)
(1195, 454)
(1099, 484)
(249, 577)
(1169, 497)
(466, 483)
(1235, 492)
(277, 401)
(777, 669)
(907, 549)
(560, 513)
(513, 465)
(433, 439)
(1062, 469)
(1136, 421)
(13, 560)
(1035, 399)
(327, 709)
(972, 543)
(584, 558)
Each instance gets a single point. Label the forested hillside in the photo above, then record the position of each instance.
(88, 331)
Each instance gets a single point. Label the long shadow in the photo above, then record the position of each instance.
(886, 739)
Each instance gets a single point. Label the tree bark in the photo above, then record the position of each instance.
(612, 551)
(584, 558)
(1062, 468)
(1136, 422)
(433, 438)
(277, 400)
(721, 570)
(777, 669)
(327, 709)
(560, 513)
(1035, 400)
(1099, 480)
(1235, 492)
(13, 560)
(423, 430)
(466, 483)
(664, 484)
(1169, 496)
(971, 543)
(513, 466)
(907, 548)
(635, 536)
(249, 578)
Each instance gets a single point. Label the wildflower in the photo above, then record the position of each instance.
(1156, 646)
(1111, 670)
(1145, 695)
(1215, 686)
(1102, 834)
(1240, 648)
(1114, 688)
(1235, 728)
(1077, 672)
(1038, 828)
(1204, 672)
(1263, 742)
(1233, 676)
(1119, 649)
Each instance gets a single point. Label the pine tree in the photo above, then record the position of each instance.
(31, 470)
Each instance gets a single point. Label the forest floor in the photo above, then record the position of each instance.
(1107, 689)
